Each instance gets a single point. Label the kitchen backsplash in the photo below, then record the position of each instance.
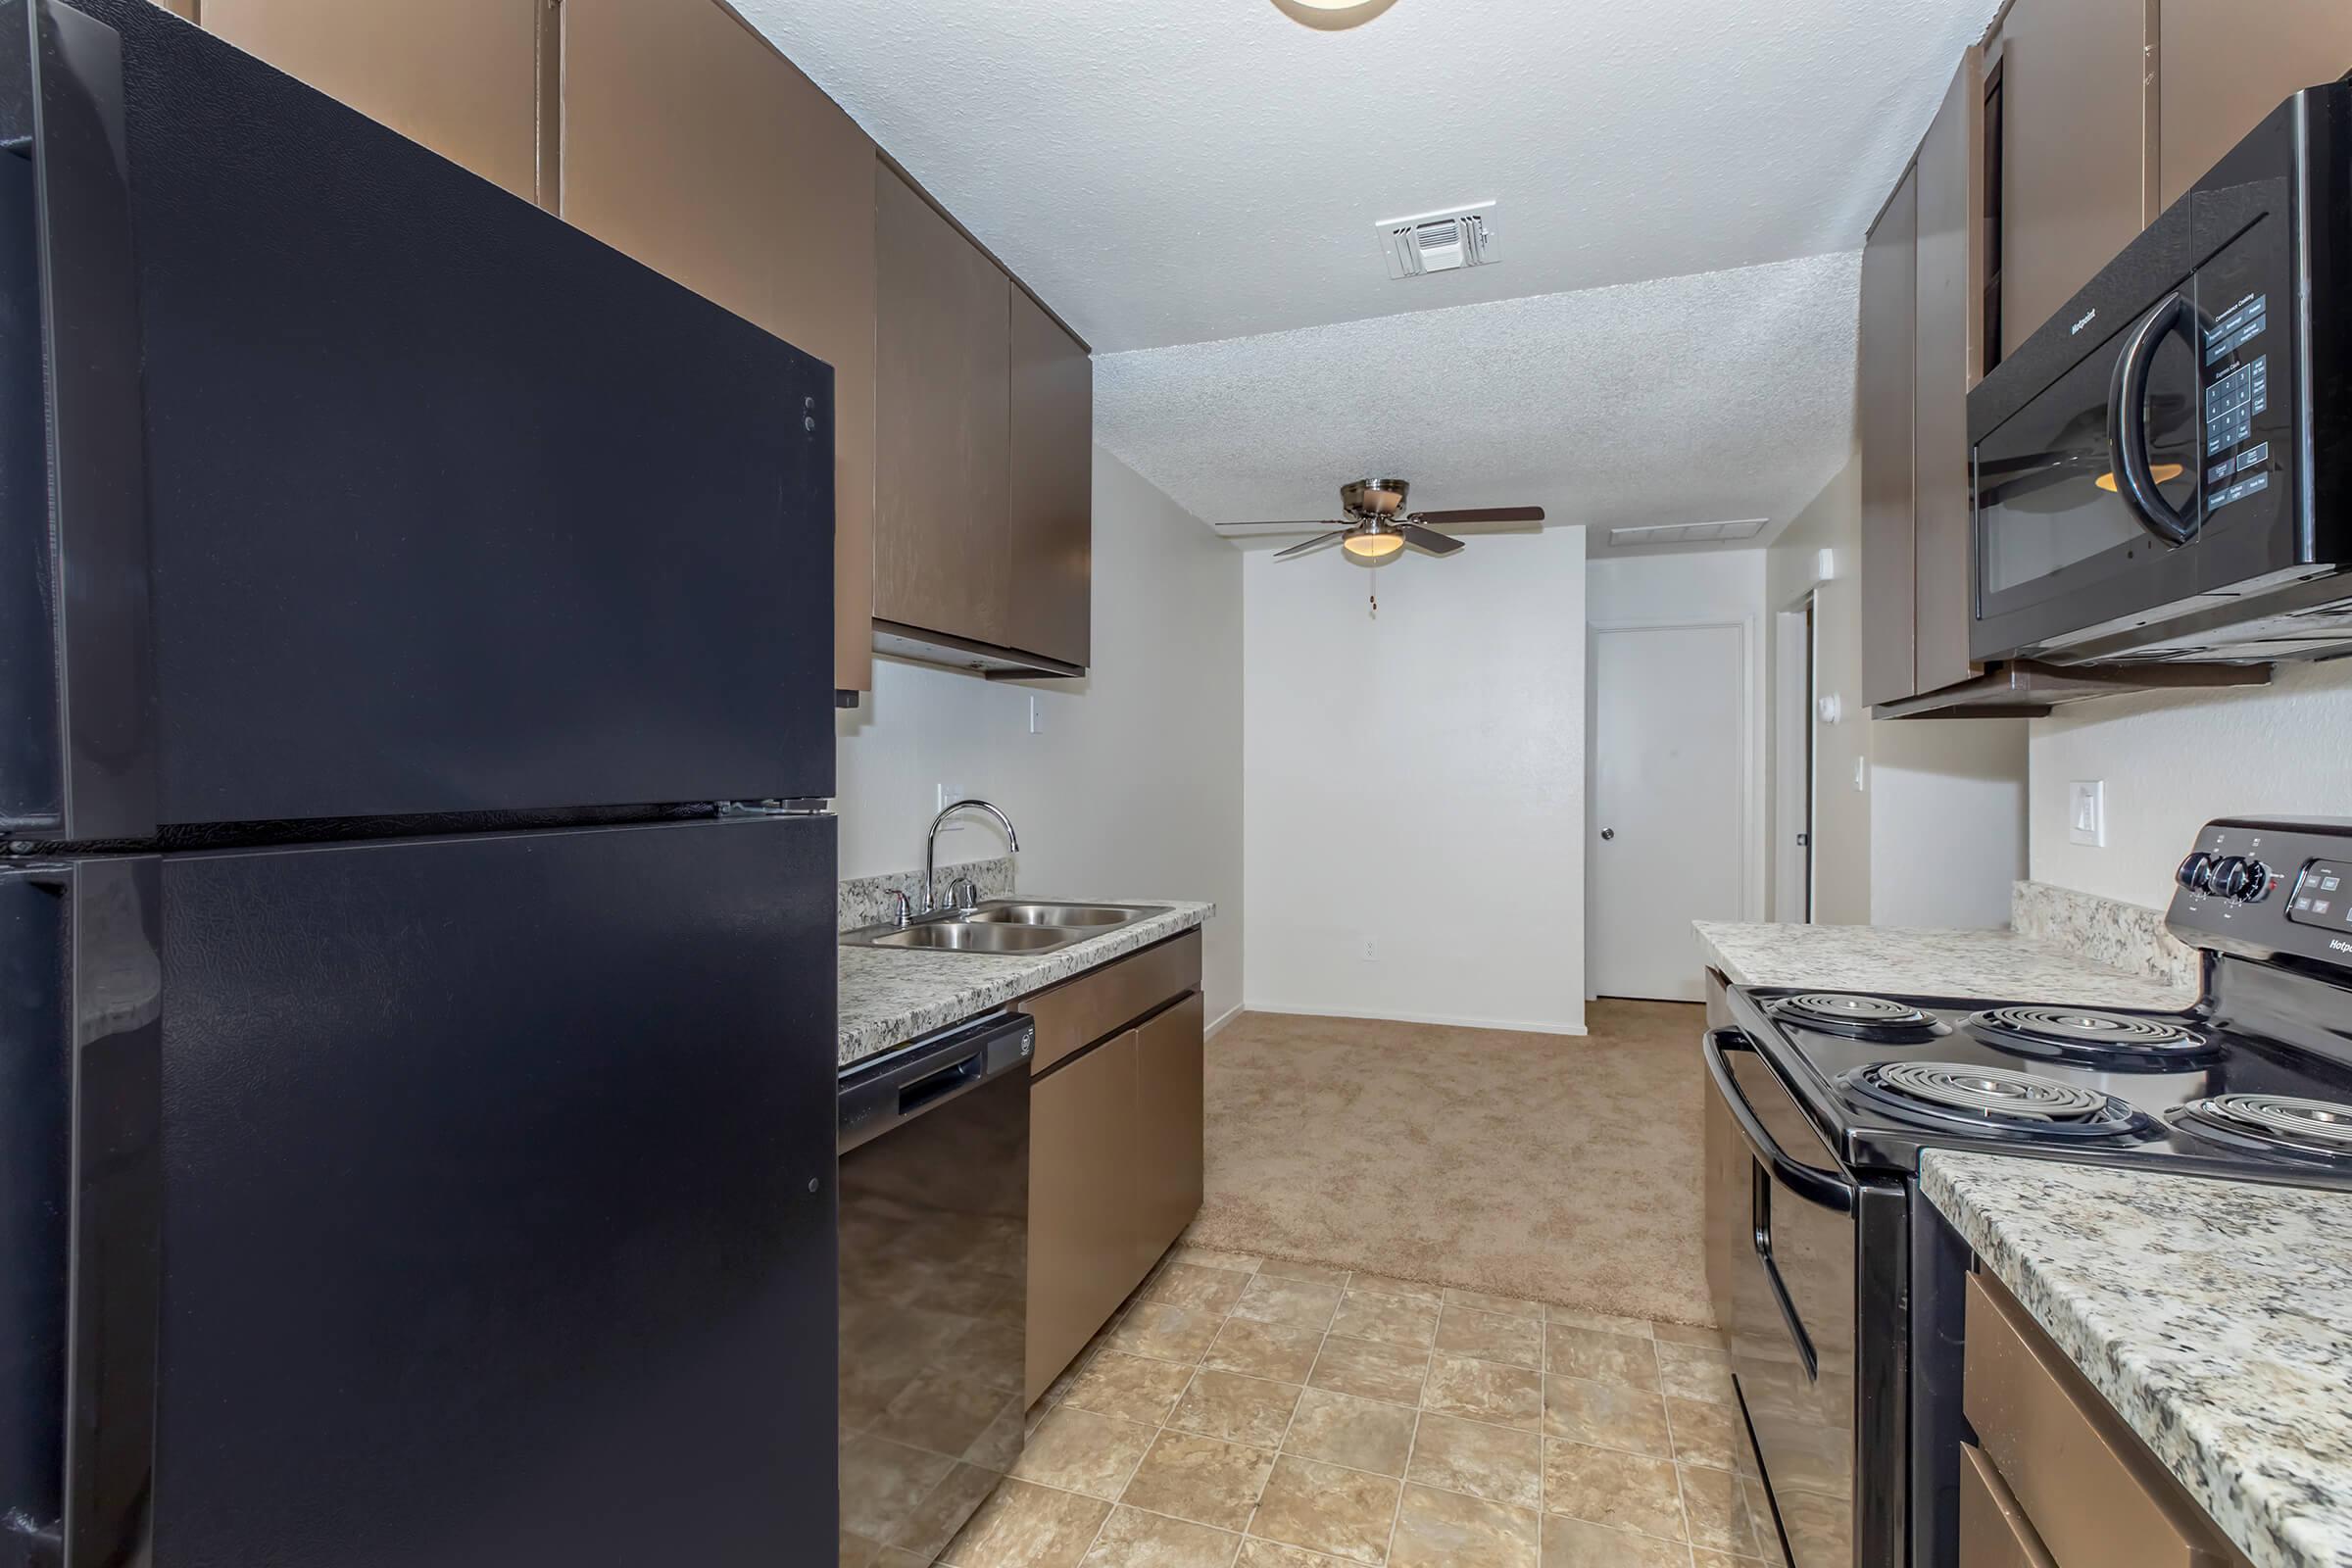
(869, 900)
(2127, 936)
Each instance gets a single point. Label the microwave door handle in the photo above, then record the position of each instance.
(2127, 425)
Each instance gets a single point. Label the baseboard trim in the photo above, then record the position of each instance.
(1217, 1028)
(1519, 1026)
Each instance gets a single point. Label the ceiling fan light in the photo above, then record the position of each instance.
(1332, 15)
(1372, 546)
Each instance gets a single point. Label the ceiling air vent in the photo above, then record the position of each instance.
(1440, 242)
(1686, 533)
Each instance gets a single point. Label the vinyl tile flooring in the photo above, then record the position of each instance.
(1248, 1413)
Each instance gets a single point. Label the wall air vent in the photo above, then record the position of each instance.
(1440, 242)
(1686, 533)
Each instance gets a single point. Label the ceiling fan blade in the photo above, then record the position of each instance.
(1310, 547)
(1429, 539)
(1280, 527)
(1453, 520)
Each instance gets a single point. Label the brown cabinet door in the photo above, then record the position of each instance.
(689, 143)
(942, 383)
(1942, 595)
(1082, 1202)
(1052, 486)
(2075, 168)
(1170, 1122)
(1889, 383)
(2225, 65)
(460, 76)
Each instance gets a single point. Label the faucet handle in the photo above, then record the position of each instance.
(965, 894)
(905, 906)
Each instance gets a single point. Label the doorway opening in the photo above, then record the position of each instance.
(1795, 675)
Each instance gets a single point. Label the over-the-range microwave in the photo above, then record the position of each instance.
(2163, 470)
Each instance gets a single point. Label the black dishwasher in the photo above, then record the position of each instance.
(934, 1147)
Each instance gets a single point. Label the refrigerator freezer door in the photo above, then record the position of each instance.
(452, 507)
(499, 1209)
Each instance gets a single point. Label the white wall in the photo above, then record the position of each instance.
(1711, 585)
(1133, 786)
(1937, 832)
(1418, 780)
(2173, 761)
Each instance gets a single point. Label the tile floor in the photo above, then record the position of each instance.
(1248, 1414)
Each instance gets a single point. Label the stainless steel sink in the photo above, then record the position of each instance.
(1007, 925)
(963, 936)
(1017, 913)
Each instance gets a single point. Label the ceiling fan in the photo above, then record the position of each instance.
(1377, 525)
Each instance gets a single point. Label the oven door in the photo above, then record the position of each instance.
(1781, 1239)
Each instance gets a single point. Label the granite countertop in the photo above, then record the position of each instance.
(1885, 960)
(889, 996)
(2216, 1316)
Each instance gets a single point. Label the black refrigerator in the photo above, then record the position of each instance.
(416, 1040)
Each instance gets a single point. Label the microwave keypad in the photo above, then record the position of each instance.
(2232, 403)
(2240, 325)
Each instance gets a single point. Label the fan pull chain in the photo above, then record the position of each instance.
(1375, 604)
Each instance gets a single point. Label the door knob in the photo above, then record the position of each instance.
(1608, 832)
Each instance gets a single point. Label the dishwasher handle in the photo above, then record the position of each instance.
(874, 1098)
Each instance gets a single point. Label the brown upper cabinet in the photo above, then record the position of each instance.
(686, 141)
(942, 493)
(1888, 381)
(984, 490)
(1948, 300)
(2225, 65)
(2076, 184)
(460, 76)
(1052, 486)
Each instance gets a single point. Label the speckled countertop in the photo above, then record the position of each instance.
(1997, 965)
(889, 996)
(2215, 1315)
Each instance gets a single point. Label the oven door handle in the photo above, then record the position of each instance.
(2128, 423)
(1804, 1181)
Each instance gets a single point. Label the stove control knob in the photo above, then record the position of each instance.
(2258, 881)
(2230, 877)
(2195, 872)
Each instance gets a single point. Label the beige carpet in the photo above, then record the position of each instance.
(1544, 1167)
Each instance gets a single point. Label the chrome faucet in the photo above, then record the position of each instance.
(1013, 842)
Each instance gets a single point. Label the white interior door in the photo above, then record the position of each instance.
(1669, 806)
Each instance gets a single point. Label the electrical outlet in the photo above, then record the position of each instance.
(1036, 725)
(1371, 949)
(2087, 812)
(948, 795)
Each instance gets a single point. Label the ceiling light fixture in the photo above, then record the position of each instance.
(1332, 15)
(1373, 544)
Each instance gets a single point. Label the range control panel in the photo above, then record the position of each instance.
(2265, 888)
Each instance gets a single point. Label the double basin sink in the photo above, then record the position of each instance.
(1007, 925)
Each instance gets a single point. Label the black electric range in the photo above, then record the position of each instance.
(1838, 1287)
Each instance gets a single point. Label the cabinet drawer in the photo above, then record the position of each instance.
(1072, 1016)
(1995, 1532)
(2094, 1495)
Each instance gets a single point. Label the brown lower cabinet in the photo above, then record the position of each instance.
(1116, 1122)
(2055, 1476)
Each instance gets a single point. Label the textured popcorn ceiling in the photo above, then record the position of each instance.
(1187, 171)
(1724, 395)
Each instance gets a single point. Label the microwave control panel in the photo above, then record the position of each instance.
(2238, 392)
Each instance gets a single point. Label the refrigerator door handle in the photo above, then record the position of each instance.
(76, 655)
(84, 1335)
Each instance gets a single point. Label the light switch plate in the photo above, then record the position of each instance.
(2087, 812)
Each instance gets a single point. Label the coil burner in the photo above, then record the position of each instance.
(1857, 1018)
(2102, 1039)
(1990, 1100)
(2276, 1124)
